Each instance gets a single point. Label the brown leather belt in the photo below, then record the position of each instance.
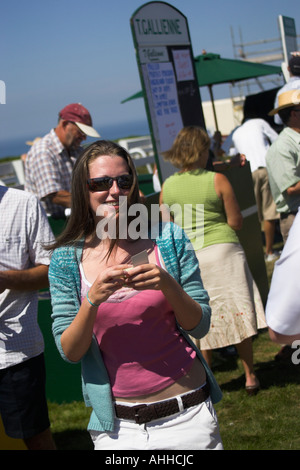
(144, 413)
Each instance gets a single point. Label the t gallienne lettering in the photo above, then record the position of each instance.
(158, 26)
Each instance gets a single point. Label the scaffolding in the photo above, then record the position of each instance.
(259, 51)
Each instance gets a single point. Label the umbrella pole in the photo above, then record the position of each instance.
(213, 106)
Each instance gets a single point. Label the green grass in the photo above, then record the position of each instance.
(68, 424)
(268, 421)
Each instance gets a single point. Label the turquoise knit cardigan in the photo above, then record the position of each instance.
(65, 289)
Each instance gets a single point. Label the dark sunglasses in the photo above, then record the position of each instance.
(106, 182)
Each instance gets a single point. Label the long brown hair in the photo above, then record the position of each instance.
(81, 222)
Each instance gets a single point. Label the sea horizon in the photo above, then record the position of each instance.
(14, 147)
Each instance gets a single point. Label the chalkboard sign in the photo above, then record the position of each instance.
(168, 77)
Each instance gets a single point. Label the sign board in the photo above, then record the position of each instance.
(166, 66)
(288, 34)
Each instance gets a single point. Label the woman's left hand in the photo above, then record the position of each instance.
(147, 276)
(150, 276)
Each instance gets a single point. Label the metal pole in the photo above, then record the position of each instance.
(213, 106)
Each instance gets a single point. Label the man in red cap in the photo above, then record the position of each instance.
(50, 161)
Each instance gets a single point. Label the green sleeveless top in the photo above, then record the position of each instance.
(195, 206)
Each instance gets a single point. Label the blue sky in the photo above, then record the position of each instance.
(61, 51)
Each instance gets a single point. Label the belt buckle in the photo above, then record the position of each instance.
(137, 417)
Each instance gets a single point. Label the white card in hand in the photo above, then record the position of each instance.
(140, 258)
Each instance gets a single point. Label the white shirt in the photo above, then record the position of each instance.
(24, 228)
(253, 138)
(283, 305)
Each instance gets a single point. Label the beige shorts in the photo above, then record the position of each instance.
(266, 207)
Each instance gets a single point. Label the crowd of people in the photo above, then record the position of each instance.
(142, 313)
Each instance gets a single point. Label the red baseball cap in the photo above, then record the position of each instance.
(78, 114)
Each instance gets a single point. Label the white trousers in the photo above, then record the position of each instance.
(195, 428)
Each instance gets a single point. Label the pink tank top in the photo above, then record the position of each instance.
(140, 343)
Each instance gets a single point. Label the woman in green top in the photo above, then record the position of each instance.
(204, 204)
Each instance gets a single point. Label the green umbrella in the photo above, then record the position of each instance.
(211, 70)
(139, 94)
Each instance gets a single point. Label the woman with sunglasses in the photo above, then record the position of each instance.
(129, 325)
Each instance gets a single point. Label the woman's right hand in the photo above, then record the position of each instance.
(108, 281)
(76, 339)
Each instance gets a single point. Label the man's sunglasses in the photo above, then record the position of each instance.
(106, 182)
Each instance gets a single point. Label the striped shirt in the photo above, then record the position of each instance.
(24, 229)
(48, 169)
